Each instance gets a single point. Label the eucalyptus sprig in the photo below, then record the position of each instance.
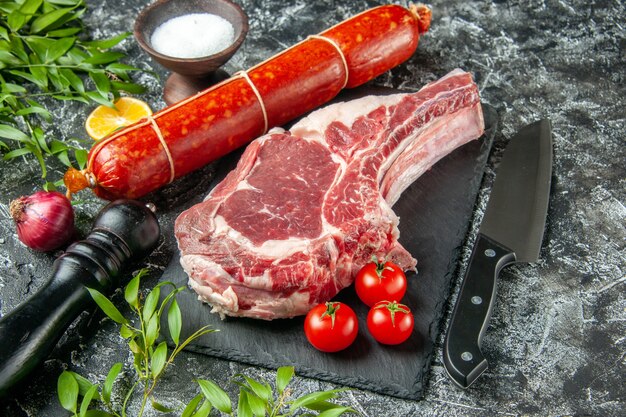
(43, 55)
(256, 398)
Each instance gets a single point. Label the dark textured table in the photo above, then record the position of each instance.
(557, 340)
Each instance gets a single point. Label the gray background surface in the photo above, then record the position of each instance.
(557, 339)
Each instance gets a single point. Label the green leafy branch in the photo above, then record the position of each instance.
(43, 56)
(258, 399)
(152, 358)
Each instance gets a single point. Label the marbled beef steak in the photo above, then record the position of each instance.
(305, 209)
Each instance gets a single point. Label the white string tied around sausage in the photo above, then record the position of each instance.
(341, 54)
(244, 74)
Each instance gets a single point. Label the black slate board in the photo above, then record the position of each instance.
(435, 214)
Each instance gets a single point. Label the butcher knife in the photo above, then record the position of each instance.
(511, 231)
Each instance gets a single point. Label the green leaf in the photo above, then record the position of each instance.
(262, 391)
(334, 412)
(16, 152)
(49, 186)
(65, 2)
(74, 98)
(74, 56)
(314, 397)
(75, 15)
(174, 321)
(67, 388)
(134, 347)
(9, 132)
(159, 357)
(98, 413)
(107, 387)
(48, 19)
(12, 88)
(126, 332)
(128, 87)
(215, 395)
(152, 330)
(84, 385)
(64, 158)
(101, 81)
(256, 404)
(191, 407)
(4, 33)
(204, 409)
(104, 58)
(57, 146)
(322, 406)
(35, 110)
(118, 66)
(59, 48)
(41, 140)
(132, 290)
(97, 97)
(41, 83)
(8, 58)
(75, 81)
(108, 43)
(16, 20)
(29, 7)
(84, 405)
(243, 407)
(283, 377)
(107, 306)
(63, 33)
(151, 302)
(40, 76)
(17, 47)
(81, 157)
(160, 407)
(42, 164)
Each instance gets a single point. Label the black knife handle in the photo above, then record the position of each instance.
(124, 230)
(462, 357)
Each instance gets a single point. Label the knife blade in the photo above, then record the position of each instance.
(511, 231)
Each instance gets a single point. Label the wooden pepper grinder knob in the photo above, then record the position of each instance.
(125, 230)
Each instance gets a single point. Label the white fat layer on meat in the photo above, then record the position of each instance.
(267, 306)
(273, 248)
(244, 185)
(314, 125)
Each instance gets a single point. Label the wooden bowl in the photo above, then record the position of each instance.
(190, 74)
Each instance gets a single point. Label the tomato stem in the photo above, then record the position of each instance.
(380, 266)
(394, 307)
(331, 310)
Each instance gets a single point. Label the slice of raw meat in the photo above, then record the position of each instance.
(304, 210)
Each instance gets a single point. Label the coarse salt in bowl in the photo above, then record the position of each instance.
(193, 35)
(188, 52)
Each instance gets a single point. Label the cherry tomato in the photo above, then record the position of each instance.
(390, 323)
(379, 281)
(331, 327)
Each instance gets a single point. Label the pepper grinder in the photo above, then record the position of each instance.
(124, 231)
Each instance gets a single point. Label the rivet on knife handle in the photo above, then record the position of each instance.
(125, 230)
(462, 355)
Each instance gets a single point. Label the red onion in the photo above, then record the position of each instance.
(44, 220)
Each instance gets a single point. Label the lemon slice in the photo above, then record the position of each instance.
(103, 120)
